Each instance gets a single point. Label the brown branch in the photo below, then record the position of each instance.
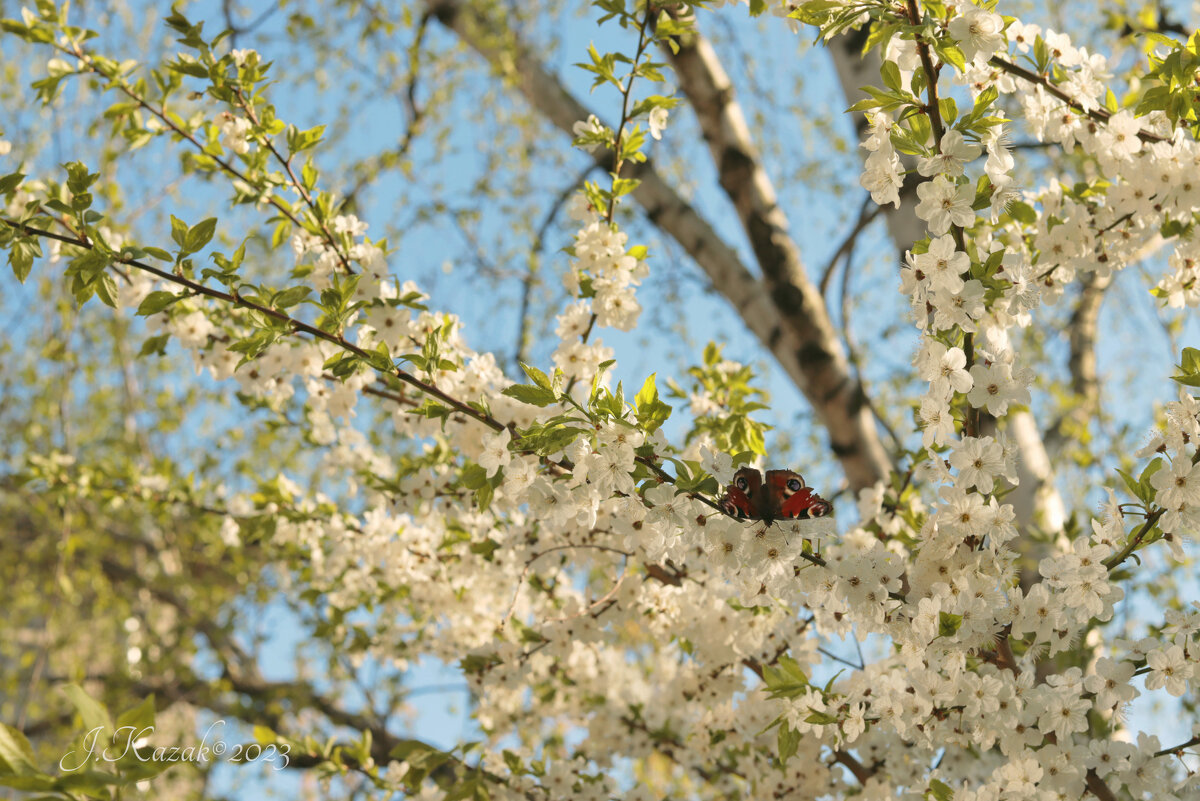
(861, 773)
(1177, 749)
(1098, 788)
(932, 109)
(619, 140)
(286, 162)
(866, 216)
(1114, 561)
(297, 326)
(535, 253)
(243, 676)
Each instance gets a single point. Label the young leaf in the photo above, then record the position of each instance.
(92, 712)
(534, 396)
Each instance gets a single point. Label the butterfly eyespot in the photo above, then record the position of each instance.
(741, 484)
(794, 484)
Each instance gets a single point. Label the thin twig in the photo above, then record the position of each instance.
(296, 184)
(529, 564)
(866, 216)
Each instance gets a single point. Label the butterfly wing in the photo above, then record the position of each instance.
(804, 504)
(742, 495)
(790, 498)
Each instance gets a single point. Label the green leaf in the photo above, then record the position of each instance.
(10, 182)
(922, 131)
(890, 73)
(1130, 484)
(538, 378)
(16, 754)
(92, 712)
(483, 495)
(1110, 102)
(948, 624)
(1022, 212)
(789, 743)
(651, 412)
(940, 791)
(464, 789)
(949, 109)
(513, 762)
(21, 255)
(866, 104)
(792, 669)
(1041, 54)
(785, 679)
(952, 55)
(199, 235)
(179, 231)
(303, 140)
(291, 296)
(534, 396)
(95, 783)
(155, 302)
(821, 718)
(1146, 489)
(1171, 228)
(139, 717)
(156, 345)
(1191, 361)
(474, 476)
(31, 783)
(265, 735)
(984, 102)
(106, 289)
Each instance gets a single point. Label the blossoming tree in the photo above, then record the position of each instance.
(622, 634)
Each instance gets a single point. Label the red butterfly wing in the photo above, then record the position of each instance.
(738, 503)
(741, 496)
(791, 499)
(804, 504)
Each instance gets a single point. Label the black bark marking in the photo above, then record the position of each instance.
(813, 355)
(843, 451)
(736, 169)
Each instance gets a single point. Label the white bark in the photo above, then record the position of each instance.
(835, 394)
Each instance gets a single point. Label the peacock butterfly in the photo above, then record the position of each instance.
(783, 496)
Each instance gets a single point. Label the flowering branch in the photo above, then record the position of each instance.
(294, 324)
(1099, 115)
